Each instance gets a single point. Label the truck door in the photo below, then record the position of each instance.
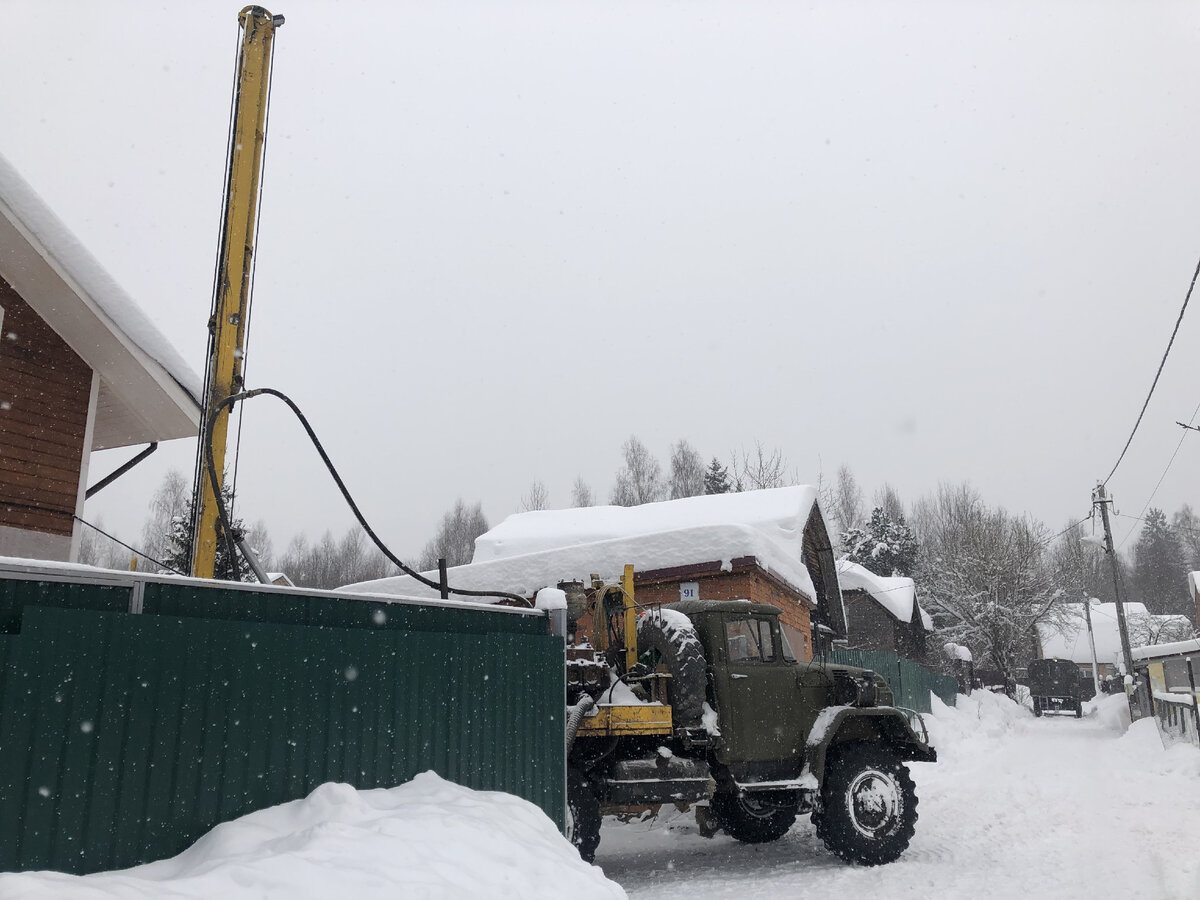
(757, 693)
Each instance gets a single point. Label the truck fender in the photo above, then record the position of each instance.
(845, 724)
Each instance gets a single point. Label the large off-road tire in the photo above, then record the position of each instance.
(674, 637)
(755, 818)
(1037, 707)
(583, 815)
(868, 809)
(1079, 709)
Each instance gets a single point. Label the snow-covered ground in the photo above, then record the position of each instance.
(1017, 807)
(425, 840)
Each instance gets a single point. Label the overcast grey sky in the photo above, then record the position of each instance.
(933, 241)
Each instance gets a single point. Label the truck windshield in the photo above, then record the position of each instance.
(749, 640)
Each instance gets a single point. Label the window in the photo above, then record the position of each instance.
(749, 640)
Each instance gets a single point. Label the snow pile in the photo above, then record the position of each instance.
(896, 595)
(980, 718)
(1111, 712)
(423, 840)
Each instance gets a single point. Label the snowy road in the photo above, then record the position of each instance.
(1017, 807)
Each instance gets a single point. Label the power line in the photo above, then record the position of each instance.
(1154, 384)
(47, 509)
(1170, 462)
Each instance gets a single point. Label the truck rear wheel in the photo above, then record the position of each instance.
(583, 815)
(675, 640)
(868, 809)
(755, 818)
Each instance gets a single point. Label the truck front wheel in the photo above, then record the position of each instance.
(755, 818)
(583, 815)
(868, 809)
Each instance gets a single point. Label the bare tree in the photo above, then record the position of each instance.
(985, 576)
(169, 503)
(761, 469)
(261, 543)
(537, 497)
(581, 493)
(848, 500)
(640, 479)
(97, 550)
(687, 471)
(888, 500)
(331, 563)
(455, 538)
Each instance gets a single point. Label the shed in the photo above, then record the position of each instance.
(882, 613)
(768, 546)
(81, 369)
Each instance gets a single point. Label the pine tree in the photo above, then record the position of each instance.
(1159, 570)
(716, 478)
(883, 546)
(180, 539)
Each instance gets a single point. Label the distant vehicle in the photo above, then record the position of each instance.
(1055, 686)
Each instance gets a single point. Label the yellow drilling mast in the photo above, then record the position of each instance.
(231, 293)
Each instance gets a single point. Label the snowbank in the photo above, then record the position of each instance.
(982, 717)
(423, 840)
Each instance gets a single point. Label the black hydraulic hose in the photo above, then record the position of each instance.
(211, 465)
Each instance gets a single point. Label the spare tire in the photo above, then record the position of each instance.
(674, 637)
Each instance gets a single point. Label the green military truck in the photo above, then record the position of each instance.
(709, 706)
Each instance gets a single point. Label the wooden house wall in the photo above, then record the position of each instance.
(44, 394)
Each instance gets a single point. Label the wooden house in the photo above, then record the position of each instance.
(81, 369)
(883, 613)
(767, 546)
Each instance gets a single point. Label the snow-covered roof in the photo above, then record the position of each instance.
(1070, 639)
(147, 391)
(528, 551)
(1194, 583)
(896, 595)
(1173, 649)
(958, 651)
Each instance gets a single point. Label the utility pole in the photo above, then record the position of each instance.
(1101, 498)
(1087, 612)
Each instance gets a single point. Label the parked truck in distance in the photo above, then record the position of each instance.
(1057, 686)
(704, 703)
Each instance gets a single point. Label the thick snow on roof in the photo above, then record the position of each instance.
(896, 595)
(55, 242)
(779, 514)
(1194, 583)
(528, 573)
(532, 550)
(1070, 641)
(1174, 649)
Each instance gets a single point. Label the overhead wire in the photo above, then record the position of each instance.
(345, 491)
(1157, 374)
(116, 540)
(1161, 478)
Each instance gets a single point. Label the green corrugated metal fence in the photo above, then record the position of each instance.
(124, 737)
(910, 682)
